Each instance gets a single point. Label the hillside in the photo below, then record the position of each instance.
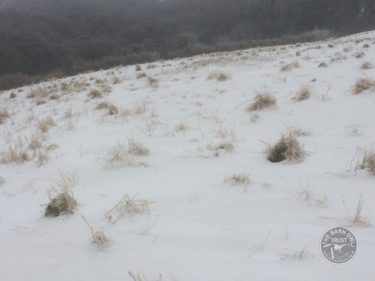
(169, 161)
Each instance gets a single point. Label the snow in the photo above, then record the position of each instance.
(198, 227)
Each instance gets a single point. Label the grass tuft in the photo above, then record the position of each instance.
(302, 94)
(261, 101)
(287, 148)
(238, 179)
(4, 115)
(363, 85)
(289, 66)
(45, 124)
(127, 207)
(137, 148)
(368, 162)
(219, 76)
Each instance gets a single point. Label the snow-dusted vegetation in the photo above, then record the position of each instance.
(166, 171)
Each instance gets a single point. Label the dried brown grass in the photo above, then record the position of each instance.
(287, 148)
(127, 207)
(289, 66)
(363, 85)
(302, 94)
(261, 101)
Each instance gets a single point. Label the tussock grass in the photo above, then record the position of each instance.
(297, 255)
(141, 75)
(224, 146)
(137, 148)
(140, 108)
(368, 162)
(363, 85)
(219, 76)
(2, 181)
(35, 141)
(4, 115)
(358, 218)
(25, 150)
(98, 238)
(63, 202)
(261, 101)
(117, 155)
(238, 179)
(287, 148)
(302, 94)
(359, 55)
(366, 66)
(181, 127)
(153, 82)
(323, 65)
(110, 108)
(94, 94)
(16, 153)
(127, 207)
(289, 66)
(38, 93)
(46, 123)
(41, 156)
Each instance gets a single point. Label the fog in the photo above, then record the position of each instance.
(55, 37)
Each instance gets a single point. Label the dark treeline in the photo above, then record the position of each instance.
(63, 37)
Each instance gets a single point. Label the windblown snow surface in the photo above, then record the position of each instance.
(190, 221)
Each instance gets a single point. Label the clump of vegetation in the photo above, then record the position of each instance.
(366, 65)
(46, 123)
(2, 181)
(63, 202)
(141, 75)
(289, 66)
(137, 148)
(368, 162)
(109, 107)
(16, 153)
(302, 94)
(38, 93)
(238, 179)
(98, 237)
(4, 115)
(287, 148)
(181, 127)
(359, 55)
(94, 94)
(362, 85)
(117, 155)
(297, 255)
(261, 101)
(358, 218)
(323, 65)
(127, 207)
(153, 82)
(219, 76)
(225, 146)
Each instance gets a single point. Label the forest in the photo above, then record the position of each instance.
(40, 39)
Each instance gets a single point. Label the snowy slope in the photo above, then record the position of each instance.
(198, 227)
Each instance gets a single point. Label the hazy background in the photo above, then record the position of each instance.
(44, 38)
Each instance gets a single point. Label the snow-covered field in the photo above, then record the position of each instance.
(186, 219)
